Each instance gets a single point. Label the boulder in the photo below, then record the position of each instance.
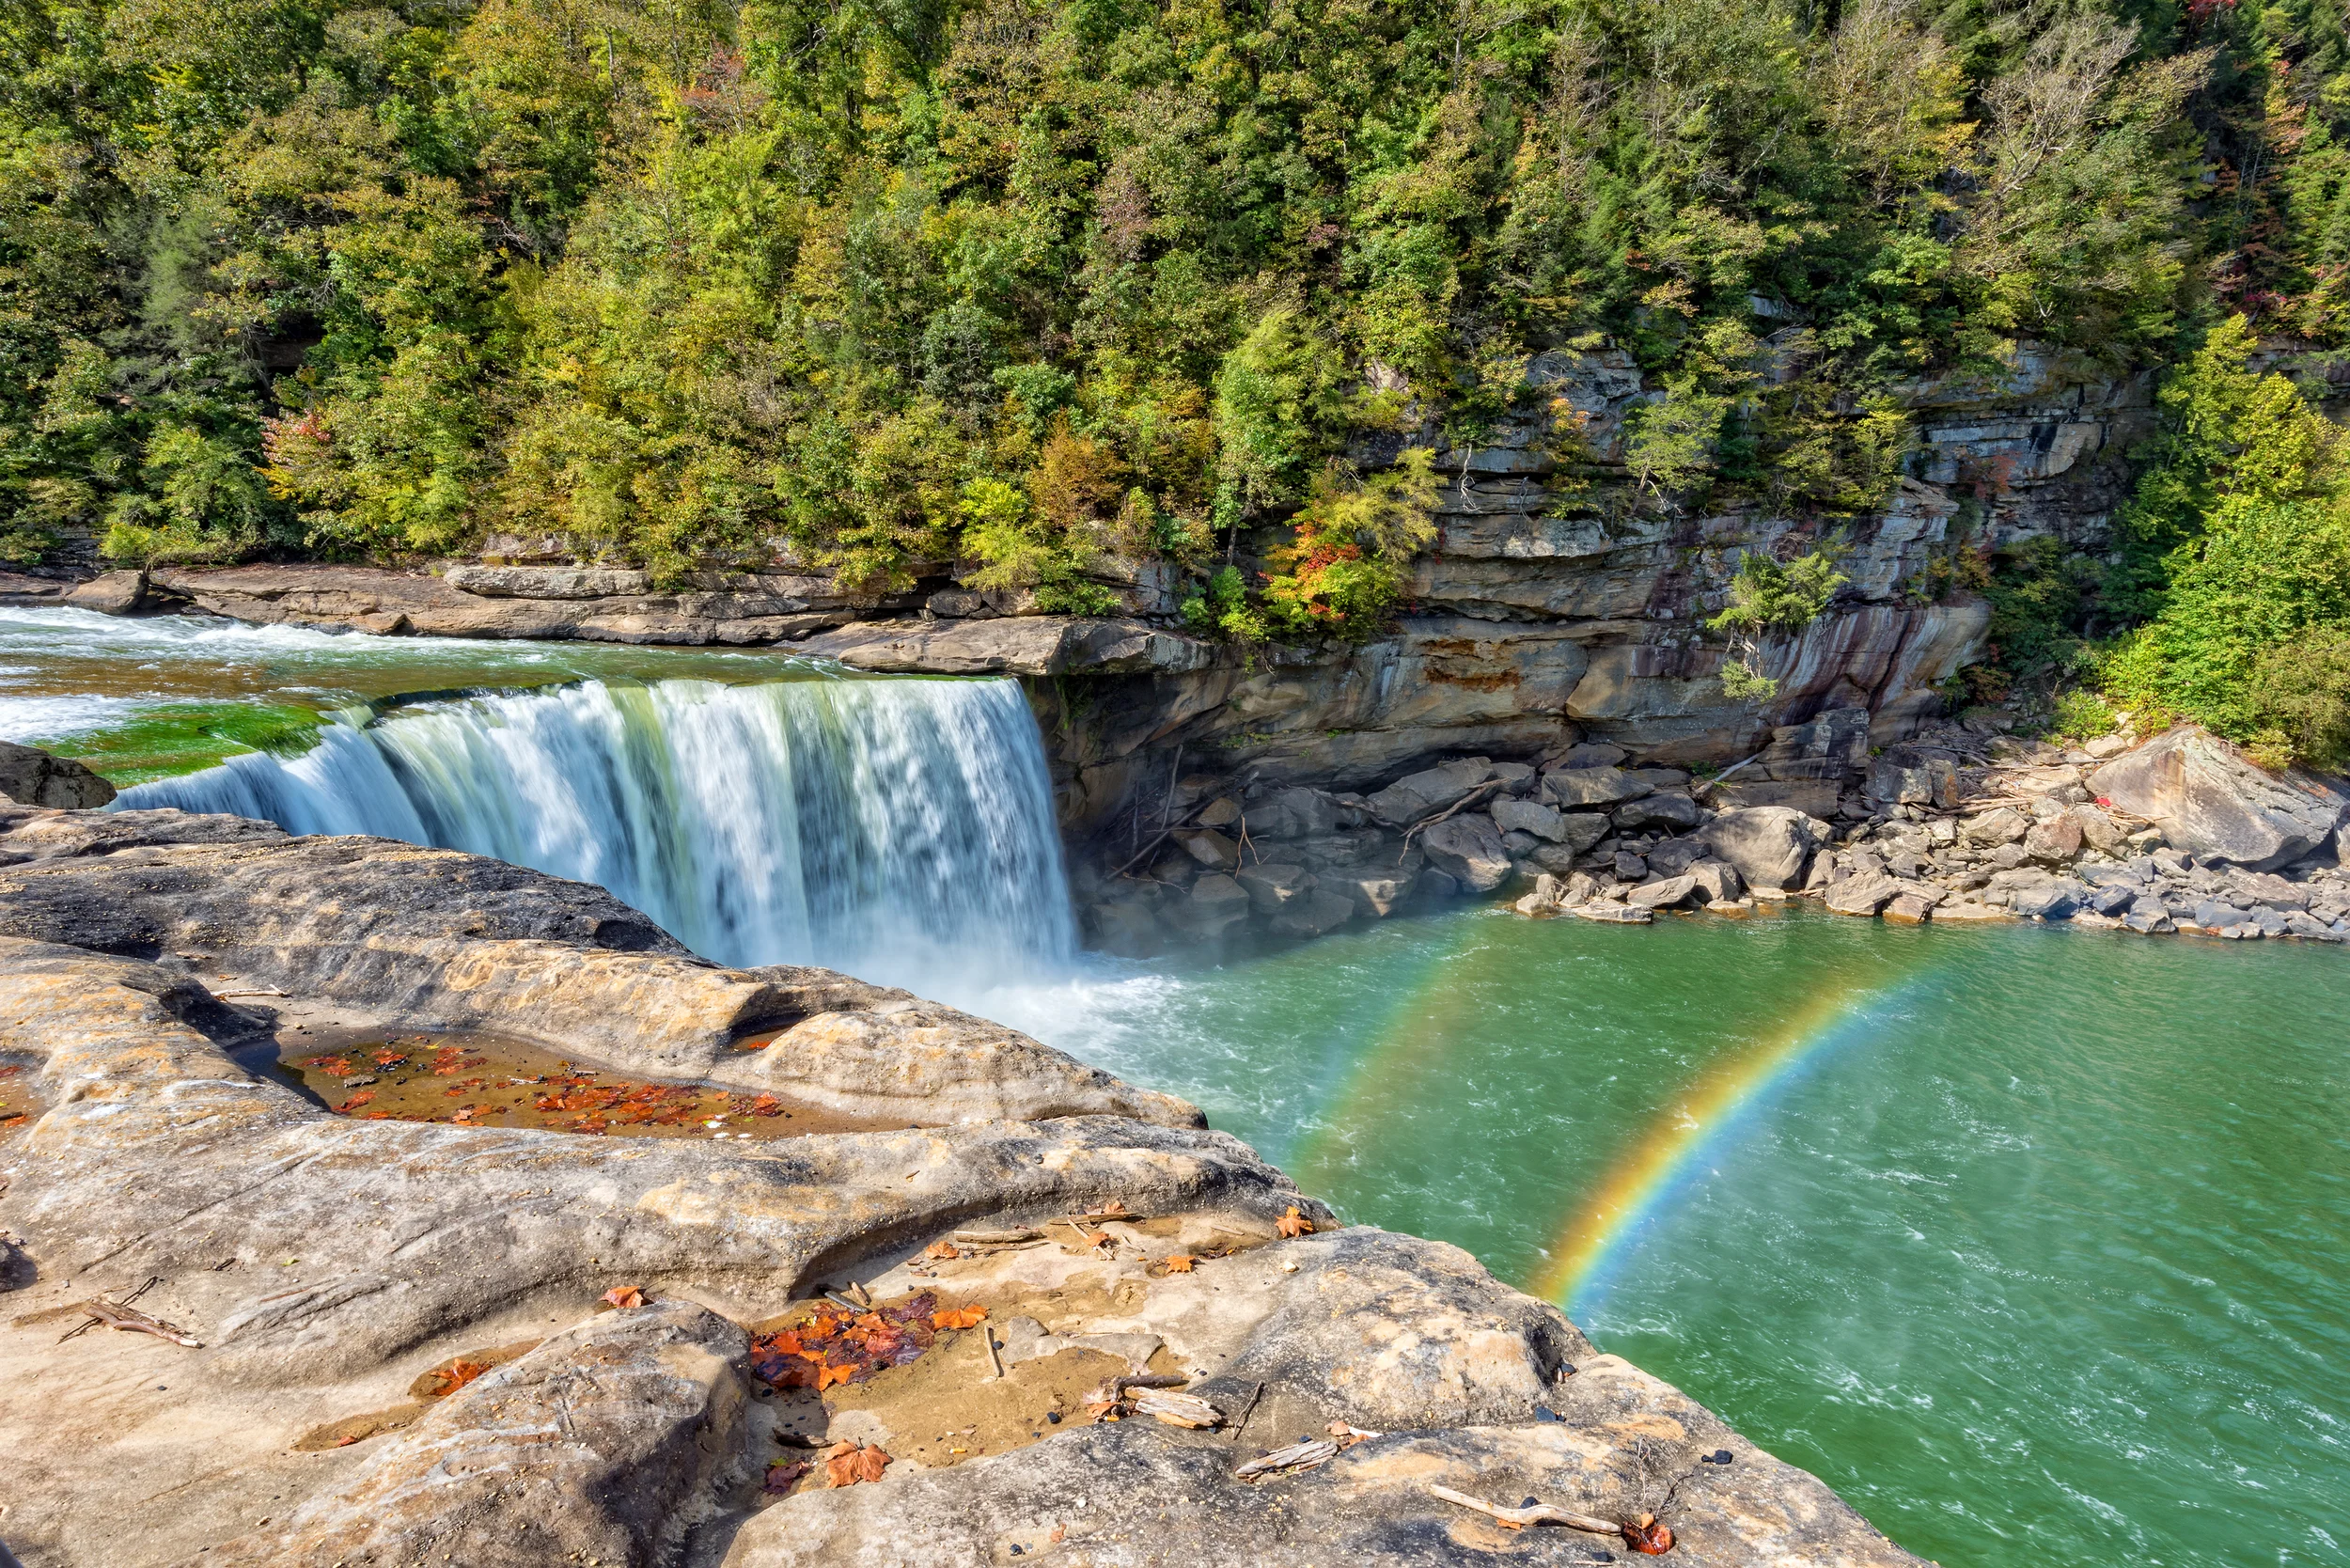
(1421, 794)
(2113, 899)
(1770, 845)
(1296, 814)
(1215, 901)
(112, 593)
(2057, 841)
(1317, 912)
(1613, 913)
(1967, 912)
(1526, 816)
(1223, 811)
(2001, 824)
(1668, 893)
(1931, 781)
(2211, 801)
(1377, 897)
(1719, 880)
(2099, 831)
(2048, 899)
(1271, 888)
(1209, 847)
(2265, 890)
(1629, 866)
(1545, 898)
(1579, 789)
(1864, 894)
(1468, 849)
(1676, 855)
(1663, 809)
(1909, 909)
(32, 776)
(1579, 830)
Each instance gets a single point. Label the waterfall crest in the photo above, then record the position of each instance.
(891, 828)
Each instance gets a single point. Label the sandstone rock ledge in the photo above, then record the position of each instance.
(328, 1265)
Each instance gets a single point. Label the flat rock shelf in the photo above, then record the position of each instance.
(268, 1333)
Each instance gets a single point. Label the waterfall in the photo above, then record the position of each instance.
(898, 828)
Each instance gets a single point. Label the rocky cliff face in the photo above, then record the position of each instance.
(1557, 606)
(362, 1340)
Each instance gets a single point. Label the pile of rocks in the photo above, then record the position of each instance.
(2179, 834)
(1299, 861)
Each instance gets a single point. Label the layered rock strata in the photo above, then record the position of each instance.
(1559, 603)
(401, 1355)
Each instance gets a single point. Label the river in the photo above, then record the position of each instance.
(2034, 1242)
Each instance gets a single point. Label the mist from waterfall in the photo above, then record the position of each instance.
(898, 829)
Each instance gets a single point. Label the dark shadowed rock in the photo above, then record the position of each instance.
(1468, 849)
(1581, 789)
(31, 777)
(2212, 803)
(1430, 791)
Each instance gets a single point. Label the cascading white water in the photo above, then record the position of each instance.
(892, 829)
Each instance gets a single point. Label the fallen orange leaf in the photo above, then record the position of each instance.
(961, 1317)
(1293, 1224)
(846, 1464)
(625, 1296)
(448, 1380)
(827, 1376)
(941, 1249)
(1179, 1262)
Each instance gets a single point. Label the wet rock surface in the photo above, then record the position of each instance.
(426, 1343)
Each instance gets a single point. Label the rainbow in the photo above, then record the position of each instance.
(1671, 1153)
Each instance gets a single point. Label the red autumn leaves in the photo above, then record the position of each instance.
(837, 1345)
(441, 1382)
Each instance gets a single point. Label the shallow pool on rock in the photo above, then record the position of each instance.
(2034, 1242)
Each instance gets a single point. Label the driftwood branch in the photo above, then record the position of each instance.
(1644, 1534)
(121, 1315)
(1297, 1456)
(1724, 773)
(1473, 797)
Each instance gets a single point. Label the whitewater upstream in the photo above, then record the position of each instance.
(2031, 1241)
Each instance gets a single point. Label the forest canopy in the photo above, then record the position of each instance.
(1040, 284)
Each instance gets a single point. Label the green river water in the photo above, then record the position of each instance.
(2033, 1243)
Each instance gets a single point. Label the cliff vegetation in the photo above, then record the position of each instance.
(1063, 287)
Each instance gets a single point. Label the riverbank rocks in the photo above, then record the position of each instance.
(2213, 802)
(403, 1342)
(32, 776)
